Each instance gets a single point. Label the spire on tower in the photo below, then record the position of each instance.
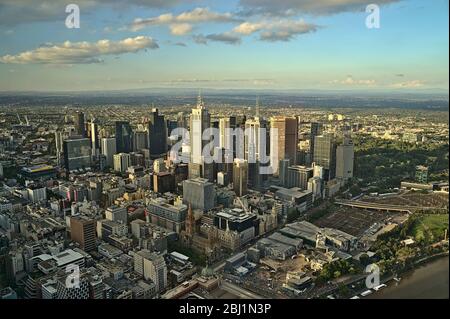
(200, 99)
(257, 106)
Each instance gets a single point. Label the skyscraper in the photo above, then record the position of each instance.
(325, 154)
(124, 137)
(225, 138)
(240, 176)
(200, 121)
(121, 162)
(95, 141)
(82, 231)
(316, 130)
(140, 140)
(157, 135)
(344, 159)
(256, 148)
(77, 153)
(287, 138)
(80, 128)
(298, 176)
(199, 193)
(108, 146)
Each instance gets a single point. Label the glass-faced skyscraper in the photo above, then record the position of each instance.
(124, 137)
(316, 130)
(157, 135)
(325, 154)
(80, 126)
(77, 153)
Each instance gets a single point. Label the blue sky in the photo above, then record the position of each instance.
(262, 44)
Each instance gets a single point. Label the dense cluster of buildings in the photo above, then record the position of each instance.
(101, 216)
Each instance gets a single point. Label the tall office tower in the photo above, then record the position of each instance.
(344, 159)
(117, 214)
(77, 153)
(256, 148)
(124, 137)
(157, 135)
(200, 121)
(181, 120)
(240, 176)
(95, 141)
(325, 154)
(140, 140)
(108, 146)
(316, 130)
(59, 142)
(287, 128)
(80, 127)
(121, 162)
(59, 145)
(82, 231)
(225, 138)
(298, 176)
(199, 193)
(153, 267)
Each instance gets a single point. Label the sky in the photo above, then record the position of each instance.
(234, 44)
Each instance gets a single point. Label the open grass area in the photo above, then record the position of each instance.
(430, 227)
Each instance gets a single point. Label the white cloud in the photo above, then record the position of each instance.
(80, 52)
(317, 7)
(180, 28)
(408, 84)
(279, 30)
(351, 81)
(14, 12)
(198, 15)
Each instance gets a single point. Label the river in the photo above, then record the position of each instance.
(429, 281)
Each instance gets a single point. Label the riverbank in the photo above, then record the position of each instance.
(430, 280)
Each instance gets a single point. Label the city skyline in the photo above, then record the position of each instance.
(246, 44)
